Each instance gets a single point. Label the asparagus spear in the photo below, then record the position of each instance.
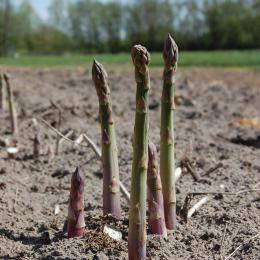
(13, 116)
(36, 145)
(76, 222)
(2, 94)
(170, 55)
(111, 191)
(137, 215)
(155, 198)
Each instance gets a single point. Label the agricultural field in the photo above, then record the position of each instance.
(216, 126)
(234, 59)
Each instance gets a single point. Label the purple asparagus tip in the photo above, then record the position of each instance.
(170, 53)
(76, 221)
(99, 74)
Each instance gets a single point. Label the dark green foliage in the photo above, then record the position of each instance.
(114, 26)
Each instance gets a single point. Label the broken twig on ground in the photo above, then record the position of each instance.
(240, 246)
(197, 206)
(61, 140)
(93, 146)
(222, 241)
(186, 163)
(212, 169)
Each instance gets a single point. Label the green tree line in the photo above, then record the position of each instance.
(113, 26)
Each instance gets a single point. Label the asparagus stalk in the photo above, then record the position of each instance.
(76, 222)
(36, 145)
(50, 152)
(111, 192)
(167, 164)
(155, 198)
(2, 93)
(13, 115)
(137, 215)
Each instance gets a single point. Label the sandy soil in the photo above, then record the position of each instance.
(209, 102)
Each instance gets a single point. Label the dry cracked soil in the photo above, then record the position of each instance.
(213, 123)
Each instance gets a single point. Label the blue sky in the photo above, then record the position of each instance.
(41, 6)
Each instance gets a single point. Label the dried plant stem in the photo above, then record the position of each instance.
(189, 196)
(58, 132)
(186, 162)
(13, 115)
(197, 206)
(240, 246)
(61, 140)
(217, 166)
(79, 140)
(222, 241)
(177, 174)
(94, 147)
(222, 193)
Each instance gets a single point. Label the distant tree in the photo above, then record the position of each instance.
(50, 40)
(191, 24)
(6, 22)
(112, 25)
(229, 24)
(85, 24)
(149, 21)
(26, 25)
(57, 14)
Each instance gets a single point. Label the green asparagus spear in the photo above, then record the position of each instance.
(111, 191)
(137, 215)
(167, 164)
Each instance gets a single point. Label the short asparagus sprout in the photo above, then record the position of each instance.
(111, 190)
(155, 198)
(167, 165)
(137, 215)
(13, 115)
(51, 152)
(76, 221)
(2, 94)
(36, 145)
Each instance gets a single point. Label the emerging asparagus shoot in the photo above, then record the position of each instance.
(155, 198)
(13, 116)
(137, 215)
(167, 165)
(111, 192)
(36, 145)
(76, 222)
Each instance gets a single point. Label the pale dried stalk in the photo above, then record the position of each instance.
(197, 206)
(61, 140)
(93, 146)
(248, 240)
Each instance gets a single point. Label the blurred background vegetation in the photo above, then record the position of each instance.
(95, 26)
